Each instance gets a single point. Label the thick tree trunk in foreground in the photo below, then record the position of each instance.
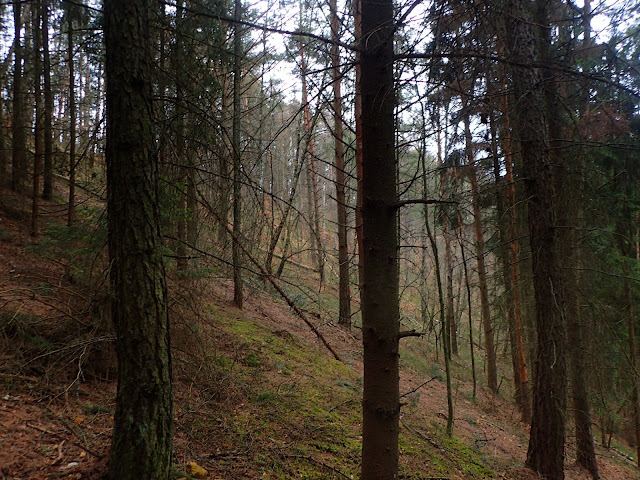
(380, 310)
(143, 424)
(546, 443)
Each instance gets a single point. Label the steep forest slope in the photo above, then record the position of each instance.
(257, 395)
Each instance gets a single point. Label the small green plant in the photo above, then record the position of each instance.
(436, 371)
(93, 409)
(77, 245)
(197, 273)
(263, 397)
(252, 360)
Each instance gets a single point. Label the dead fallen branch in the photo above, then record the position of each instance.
(62, 437)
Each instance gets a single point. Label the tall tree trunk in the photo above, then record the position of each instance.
(546, 444)
(573, 257)
(237, 173)
(317, 232)
(224, 169)
(4, 157)
(450, 317)
(510, 284)
(38, 134)
(18, 124)
(467, 285)
(585, 446)
(344, 289)
(72, 120)
(450, 334)
(47, 188)
(631, 332)
(143, 422)
(179, 59)
(514, 257)
(312, 213)
(624, 236)
(380, 286)
(357, 113)
(441, 299)
(490, 352)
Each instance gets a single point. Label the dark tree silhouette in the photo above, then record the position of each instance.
(380, 309)
(143, 424)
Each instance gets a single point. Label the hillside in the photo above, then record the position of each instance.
(257, 395)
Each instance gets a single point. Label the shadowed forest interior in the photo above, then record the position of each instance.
(319, 239)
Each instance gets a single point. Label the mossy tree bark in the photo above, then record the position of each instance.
(143, 425)
(380, 309)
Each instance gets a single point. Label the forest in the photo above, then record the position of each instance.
(319, 239)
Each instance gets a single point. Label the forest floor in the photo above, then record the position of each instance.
(257, 396)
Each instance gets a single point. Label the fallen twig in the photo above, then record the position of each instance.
(271, 280)
(321, 463)
(418, 387)
(59, 446)
(58, 435)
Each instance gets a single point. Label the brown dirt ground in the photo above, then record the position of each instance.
(53, 428)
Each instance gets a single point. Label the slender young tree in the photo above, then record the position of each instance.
(47, 187)
(38, 127)
(357, 113)
(18, 122)
(143, 422)
(235, 145)
(492, 369)
(344, 291)
(70, 13)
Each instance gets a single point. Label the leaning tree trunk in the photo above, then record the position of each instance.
(143, 423)
(546, 444)
(380, 290)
